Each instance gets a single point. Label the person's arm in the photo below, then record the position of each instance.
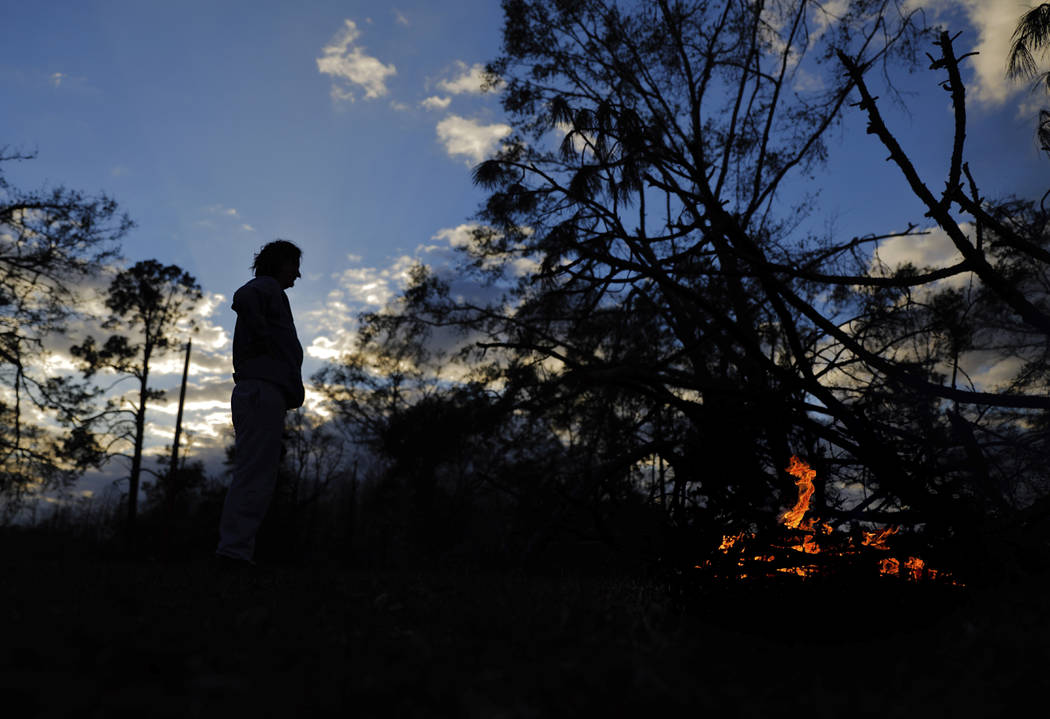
(250, 305)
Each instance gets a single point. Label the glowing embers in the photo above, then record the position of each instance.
(810, 539)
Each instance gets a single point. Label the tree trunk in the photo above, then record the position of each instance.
(174, 482)
(136, 458)
(173, 467)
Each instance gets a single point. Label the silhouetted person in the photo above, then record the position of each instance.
(267, 372)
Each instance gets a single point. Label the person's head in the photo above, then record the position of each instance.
(278, 259)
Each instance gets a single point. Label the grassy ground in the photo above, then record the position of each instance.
(88, 636)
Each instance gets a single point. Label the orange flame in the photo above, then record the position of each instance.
(890, 567)
(877, 540)
(804, 481)
(914, 568)
(729, 540)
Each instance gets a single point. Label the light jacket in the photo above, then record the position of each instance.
(265, 344)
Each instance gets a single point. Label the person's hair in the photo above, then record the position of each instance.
(274, 254)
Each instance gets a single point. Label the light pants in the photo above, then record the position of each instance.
(258, 420)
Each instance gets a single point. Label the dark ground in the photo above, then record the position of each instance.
(88, 636)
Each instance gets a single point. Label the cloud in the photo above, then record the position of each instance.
(332, 328)
(464, 237)
(399, 17)
(211, 342)
(349, 66)
(469, 138)
(324, 349)
(206, 418)
(56, 78)
(371, 287)
(471, 79)
(219, 209)
(459, 236)
(987, 369)
(358, 289)
(994, 21)
(220, 217)
(200, 397)
(778, 21)
(581, 141)
(436, 103)
(398, 106)
(933, 250)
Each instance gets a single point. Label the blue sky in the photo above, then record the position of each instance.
(186, 114)
(351, 128)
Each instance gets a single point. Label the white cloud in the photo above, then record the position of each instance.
(987, 369)
(211, 342)
(323, 348)
(398, 106)
(399, 17)
(933, 250)
(470, 79)
(198, 399)
(374, 287)
(220, 217)
(339, 94)
(209, 335)
(462, 236)
(358, 289)
(459, 236)
(332, 327)
(990, 369)
(469, 138)
(207, 399)
(994, 21)
(219, 209)
(778, 21)
(581, 141)
(349, 66)
(56, 78)
(436, 103)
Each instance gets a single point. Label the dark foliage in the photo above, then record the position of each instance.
(663, 315)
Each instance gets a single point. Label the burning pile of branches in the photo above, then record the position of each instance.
(806, 547)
